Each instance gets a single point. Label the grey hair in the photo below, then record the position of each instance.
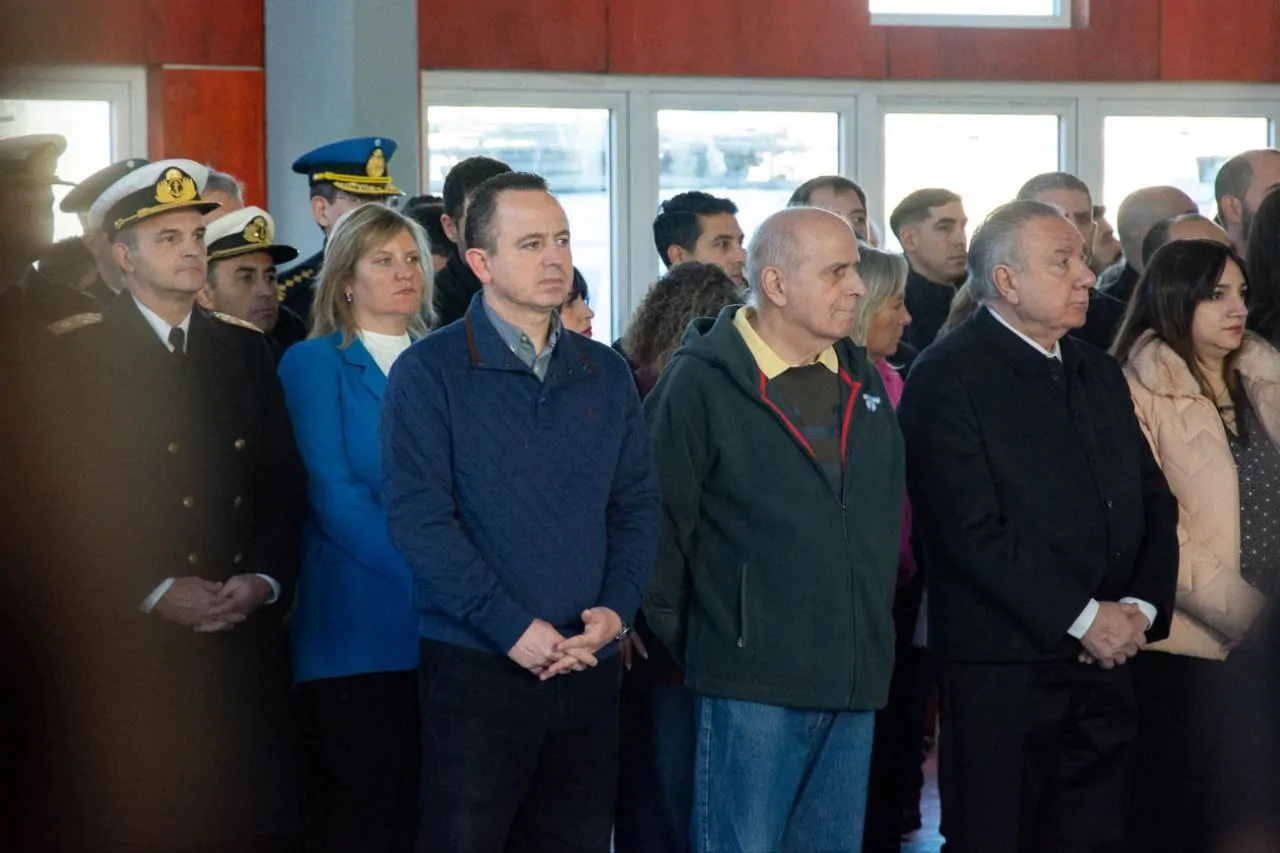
(776, 244)
(224, 183)
(1050, 181)
(885, 277)
(996, 244)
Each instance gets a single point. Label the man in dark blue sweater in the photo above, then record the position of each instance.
(520, 485)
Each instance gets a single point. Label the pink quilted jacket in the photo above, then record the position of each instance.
(1215, 605)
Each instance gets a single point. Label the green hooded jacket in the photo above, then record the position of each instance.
(770, 586)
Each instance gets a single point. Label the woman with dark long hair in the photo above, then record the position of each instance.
(1207, 393)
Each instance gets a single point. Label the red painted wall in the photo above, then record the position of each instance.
(212, 115)
(216, 115)
(1125, 40)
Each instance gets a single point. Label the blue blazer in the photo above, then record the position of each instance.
(353, 611)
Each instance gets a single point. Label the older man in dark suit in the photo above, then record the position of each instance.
(1050, 539)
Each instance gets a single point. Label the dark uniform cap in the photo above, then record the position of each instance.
(243, 232)
(85, 193)
(148, 191)
(32, 160)
(357, 166)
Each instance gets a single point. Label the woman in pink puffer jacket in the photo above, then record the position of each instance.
(1207, 394)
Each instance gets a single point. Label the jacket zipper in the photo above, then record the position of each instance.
(742, 607)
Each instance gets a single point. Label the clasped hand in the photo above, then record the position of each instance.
(1117, 634)
(546, 653)
(209, 606)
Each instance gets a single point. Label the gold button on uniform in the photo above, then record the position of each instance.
(238, 502)
(188, 502)
(239, 444)
(173, 447)
(193, 558)
(238, 559)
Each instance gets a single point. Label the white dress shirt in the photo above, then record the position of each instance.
(162, 330)
(1084, 621)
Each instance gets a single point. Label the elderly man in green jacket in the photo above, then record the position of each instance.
(782, 477)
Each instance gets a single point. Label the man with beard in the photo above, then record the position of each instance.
(1242, 183)
(241, 279)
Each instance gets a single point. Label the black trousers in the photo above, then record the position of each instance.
(358, 737)
(1206, 763)
(511, 763)
(897, 751)
(1035, 757)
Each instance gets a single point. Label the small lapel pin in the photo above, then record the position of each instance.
(873, 403)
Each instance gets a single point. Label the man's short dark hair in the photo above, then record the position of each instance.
(677, 221)
(484, 204)
(916, 207)
(67, 261)
(1159, 233)
(465, 176)
(836, 183)
(426, 210)
(1050, 181)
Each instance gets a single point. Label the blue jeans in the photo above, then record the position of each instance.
(771, 779)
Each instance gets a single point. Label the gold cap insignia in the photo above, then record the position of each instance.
(174, 187)
(377, 165)
(257, 231)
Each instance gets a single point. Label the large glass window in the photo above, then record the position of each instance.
(568, 147)
(1181, 151)
(984, 158)
(86, 125)
(755, 159)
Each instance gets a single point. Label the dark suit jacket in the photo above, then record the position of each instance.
(1030, 499)
(154, 468)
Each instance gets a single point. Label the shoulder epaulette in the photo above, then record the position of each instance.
(287, 283)
(235, 321)
(75, 321)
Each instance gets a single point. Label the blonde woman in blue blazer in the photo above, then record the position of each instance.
(353, 633)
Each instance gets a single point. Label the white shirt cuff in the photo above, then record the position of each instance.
(275, 590)
(1084, 621)
(1145, 608)
(149, 603)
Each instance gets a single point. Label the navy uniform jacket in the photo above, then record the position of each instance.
(297, 286)
(153, 467)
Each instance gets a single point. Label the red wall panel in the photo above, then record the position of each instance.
(52, 32)
(762, 38)
(201, 33)
(1236, 40)
(537, 35)
(213, 117)
(1121, 42)
(133, 32)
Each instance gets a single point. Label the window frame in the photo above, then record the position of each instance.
(123, 87)
(1061, 19)
(861, 105)
(1063, 108)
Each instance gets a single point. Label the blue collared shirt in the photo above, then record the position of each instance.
(522, 346)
